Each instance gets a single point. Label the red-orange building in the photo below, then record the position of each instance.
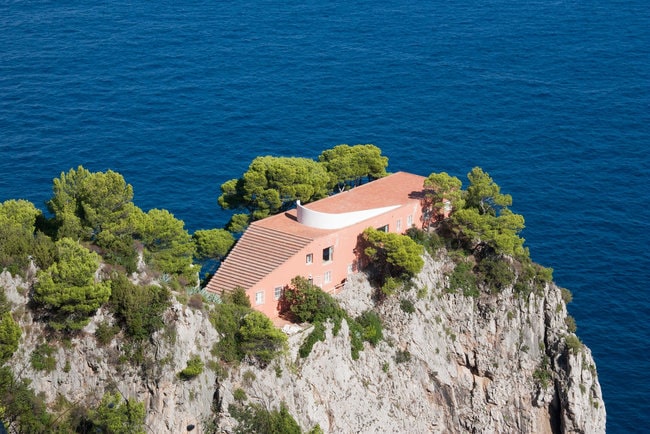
(317, 241)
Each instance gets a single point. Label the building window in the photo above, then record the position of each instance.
(328, 254)
(310, 258)
(259, 297)
(398, 226)
(327, 278)
(409, 221)
(383, 228)
(277, 293)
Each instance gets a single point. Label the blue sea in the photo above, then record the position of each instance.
(552, 98)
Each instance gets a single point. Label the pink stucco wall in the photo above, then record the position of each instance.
(344, 242)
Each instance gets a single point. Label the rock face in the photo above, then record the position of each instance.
(475, 365)
(495, 363)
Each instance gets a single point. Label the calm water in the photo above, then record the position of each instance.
(552, 98)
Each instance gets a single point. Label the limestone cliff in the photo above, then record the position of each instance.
(493, 363)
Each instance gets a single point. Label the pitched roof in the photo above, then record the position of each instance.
(268, 243)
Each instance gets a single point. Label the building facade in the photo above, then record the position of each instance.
(317, 241)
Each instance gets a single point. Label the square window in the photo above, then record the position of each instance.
(328, 254)
(383, 228)
(259, 297)
(327, 278)
(409, 221)
(310, 258)
(277, 293)
(398, 226)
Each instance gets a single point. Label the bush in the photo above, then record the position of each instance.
(571, 324)
(372, 327)
(139, 308)
(255, 419)
(316, 335)
(239, 395)
(42, 358)
(193, 369)
(566, 295)
(105, 332)
(496, 273)
(9, 336)
(463, 279)
(407, 305)
(402, 356)
(573, 344)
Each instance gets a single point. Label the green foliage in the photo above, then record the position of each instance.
(304, 302)
(573, 343)
(442, 194)
(213, 243)
(117, 416)
(348, 165)
(496, 273)
(484, 194)
(239, 395)
(316, 335)
(407, 305)
(238, 223)
(97, 207)
(402, 356)
(23, 411)
(42, 358)
(463, 279)
(273, 184)
(68, 288)
(17, 220)
(9, 336)
(246, 333)
(238, 296)
(254, 418)
(393, 254)
(193, 369)
(532, 277)
(372, 327)
(571, 324)
(431, 241)
(105, 332)
(567, 297)
(169, 246)
(499, 233)
(138, 308)
(391, 285)
(260, 339)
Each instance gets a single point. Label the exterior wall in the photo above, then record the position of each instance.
(344, 242)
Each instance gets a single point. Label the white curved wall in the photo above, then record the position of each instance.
(322, 220)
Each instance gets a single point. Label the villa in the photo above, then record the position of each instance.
(317, 241)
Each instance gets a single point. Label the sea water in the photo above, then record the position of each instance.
(552, 98)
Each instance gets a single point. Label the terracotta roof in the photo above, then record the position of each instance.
(268, 243)
(258, 252)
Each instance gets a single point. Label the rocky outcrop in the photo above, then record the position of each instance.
(494, 363)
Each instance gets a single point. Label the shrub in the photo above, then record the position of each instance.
(407, 305)
(239, 395)
(9, 336)
(402, 356)
(317, 334)
(496, 273)
(139, 308)
(372, 327)
(105, 332)
(463, 279)
(571, 324)
(566, 295)
(573, 344)
(193, 369)
(254, 418)
(42, 358)
(391, 284)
